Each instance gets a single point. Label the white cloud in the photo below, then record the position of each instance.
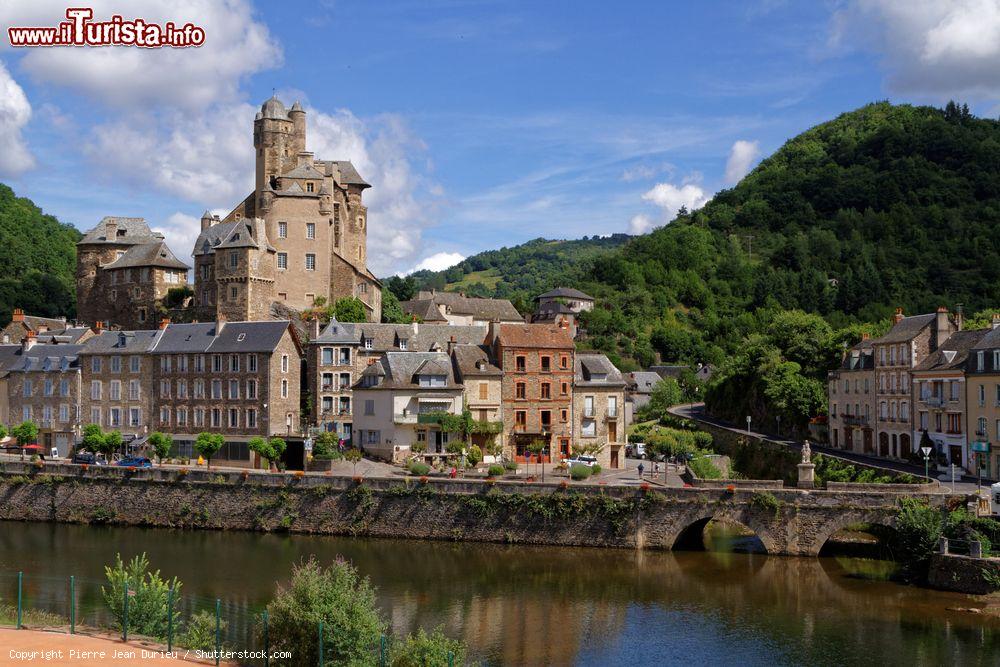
(671, 198)
(438, 261)
(741, 158)
(236, 45)
(640, 224)
(928, 47)
(180, 231)
(15, 112)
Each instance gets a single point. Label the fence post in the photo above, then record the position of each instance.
(451, 659)
(125, 615)
(20, 579)
(72, 605)
(170, 619)
(267, 647)
(381, 651)
(321, 644)
(218, 615)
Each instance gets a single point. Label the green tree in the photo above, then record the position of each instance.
(207, 444)
(353, 456)
(392, 312)
(666, 393)
(421, 649)
(161, 444)
(93, 438)
(147, 596)
(112, 443)
(474, 455)
(261, 447)
(350, 309)
(26, 433)
(339, 597)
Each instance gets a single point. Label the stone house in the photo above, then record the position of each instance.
(124, 270)
(940, 398)
(482, 381)
(117, 381)
(9, 356)
(43, 386)
(562, 303)
(397, 399)
(982, 399)
(851, 396)
(909, 341)
(240, 379)
(20, 324)
(313, 216)
(537, 361)
(598, 400)
(433, 306)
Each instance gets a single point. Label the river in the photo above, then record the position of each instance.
(538, 606)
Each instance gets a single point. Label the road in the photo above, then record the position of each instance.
(696, 411)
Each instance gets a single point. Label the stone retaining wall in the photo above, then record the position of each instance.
(964, 574)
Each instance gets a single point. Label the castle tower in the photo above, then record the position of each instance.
(244, 273)
(274, 137)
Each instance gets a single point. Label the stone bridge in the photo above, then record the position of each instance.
(787, 521)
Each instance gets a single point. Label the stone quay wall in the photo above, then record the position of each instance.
(788, 521)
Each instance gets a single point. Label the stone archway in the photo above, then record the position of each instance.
(827, 529)
(690, 534)
(904, 446)
(883, 444)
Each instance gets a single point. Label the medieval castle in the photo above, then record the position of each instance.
(299, 237)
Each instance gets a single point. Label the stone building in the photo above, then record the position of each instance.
(360, 345)
(124, 270)
(482, 381)
(905, 345)
(43, 386)
(538, 369)
(432, 306)
(982, 399)
(562, 303)
(313, 217)
(598, 400)
(240, 379)
(851, 395)
(10, 355)
(117, 381)
(940, 398)
(397, 397)
(20, 324)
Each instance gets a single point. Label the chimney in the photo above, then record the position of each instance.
(18, 315)
(866, 336)
(942, 327)
(958, 316)
(206, 220)
(98, 326)
(110, 229)
(220, 323)
(451, 344)
(996, 320)
(898, 317)
(315, 327)
(164, 322)
(563, 323)
(415, 325)
(493, 332)
(304, 158)
(29, 341)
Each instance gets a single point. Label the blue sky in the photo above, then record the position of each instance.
(479, 124)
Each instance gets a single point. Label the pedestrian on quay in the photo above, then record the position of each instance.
(641, 468)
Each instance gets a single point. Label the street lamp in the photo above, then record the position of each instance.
(926, 451)
(748, 424)
(778, 419)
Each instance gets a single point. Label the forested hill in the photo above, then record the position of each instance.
(38, 256)
(884, 206)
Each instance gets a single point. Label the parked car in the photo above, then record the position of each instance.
(635, 450)
(134, 462)
(583, 459)
(87, 457)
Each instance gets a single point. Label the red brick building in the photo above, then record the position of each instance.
(537, 361)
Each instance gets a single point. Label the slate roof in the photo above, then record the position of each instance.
(907, 328)
(859, 357)
(212, 237)
(337, 332)
(398, 370)
(34, 323)
(589, 364)
(425, 309)
(181, 338)
(474, 361)
(9, 355)
(386, 337)
(564, 293)
(306, 171)
(46, 357)
(67, 335)
(136, 231)
(248, 336)
(155, 253)
(458, 304)
(551, 309)
(642, 382)
(990, 339)
(953, 353)
(534, 335)
(350, 175)
(121, 342)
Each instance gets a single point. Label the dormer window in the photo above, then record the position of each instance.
(402, 343)
(242, 337)
(368, 343)
(120, 233)
(309, 187)
(432, 380)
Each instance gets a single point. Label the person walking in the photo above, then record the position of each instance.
(641, 468)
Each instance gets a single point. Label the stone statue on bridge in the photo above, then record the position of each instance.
(806, 452)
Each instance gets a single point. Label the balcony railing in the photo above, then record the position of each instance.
(612, 414)
(934, 401)
(855, 420)
(405, 418)
(589, 412)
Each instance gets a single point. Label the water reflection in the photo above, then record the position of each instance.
(535, 606)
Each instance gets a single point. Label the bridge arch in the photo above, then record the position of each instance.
(827, 529)
(691, 529)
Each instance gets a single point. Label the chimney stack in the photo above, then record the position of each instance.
(110, 230)
(220, 323)
(415, 325)
(164, 322)
(98, 326)
(315, 327)
(18, 315)
(29, 341)
(865, 336)
(942, 328)
(451, 344)
(996, 320)
(898, 317)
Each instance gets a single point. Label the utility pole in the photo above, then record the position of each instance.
(749, 238)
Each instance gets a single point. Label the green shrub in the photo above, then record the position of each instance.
(336, 595)
(495, 470)
(147, 604)
(199, 633)
(510, 465)
(703, 467)
(419, 468)
(765, 502)
(422, 649)
(596, 469)
(579, 471)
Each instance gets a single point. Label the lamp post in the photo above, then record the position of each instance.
(748, 424)
(778, 419)
(926, 451)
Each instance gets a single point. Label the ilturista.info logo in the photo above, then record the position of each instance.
(79, 29)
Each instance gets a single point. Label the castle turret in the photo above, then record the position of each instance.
(298, 118)
(273, 137)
